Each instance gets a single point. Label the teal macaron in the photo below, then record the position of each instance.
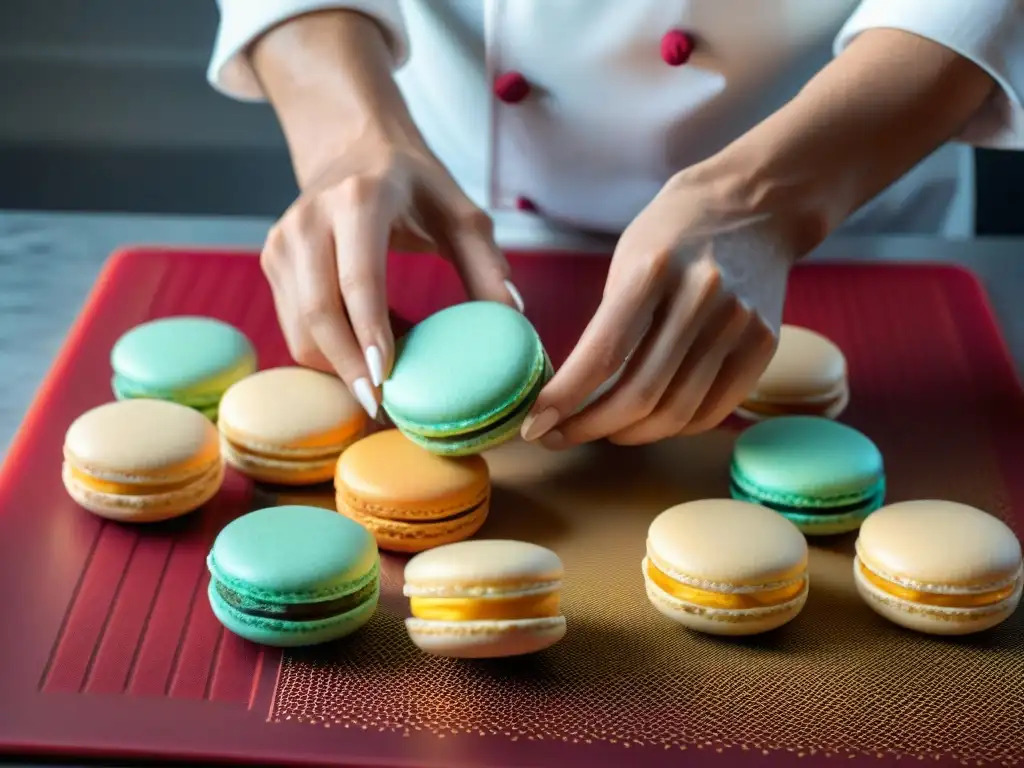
(465, 378)
(187, 360)
(293, 576)
(824, 476)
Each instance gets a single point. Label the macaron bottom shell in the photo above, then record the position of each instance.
(280, 470)
(828, 408)
(485, 639)
(932, 619)
(291, 634)
(143, 507)
(723, 621)
(813, 517)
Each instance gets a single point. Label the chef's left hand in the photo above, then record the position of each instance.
(694, 299)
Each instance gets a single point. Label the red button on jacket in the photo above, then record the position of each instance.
(677, 47)
(511, 87)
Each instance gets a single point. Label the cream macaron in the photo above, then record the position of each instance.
(288, 425)
(938, 567)
(485, 599)
(726, 567)
(142, 461)
(806, 377)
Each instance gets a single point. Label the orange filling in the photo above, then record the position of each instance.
(129, 489)
(484, 608)
(729, 600)
(973, 600)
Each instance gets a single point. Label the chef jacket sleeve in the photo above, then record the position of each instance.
(243, 21)
(988, 32)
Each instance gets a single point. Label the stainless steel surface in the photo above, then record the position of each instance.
(48, 263)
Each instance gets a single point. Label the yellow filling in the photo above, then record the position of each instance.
(485, 609)
(128, 489)
(728, 600)
(974, 600)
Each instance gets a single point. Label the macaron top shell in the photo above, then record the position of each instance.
(809, 455)
(291, 407)
(805, 364)
(462, 364)
(939, 543)
(143, 436)
(174, 353)
(388, 470)
(287, 553)
(726, 542)
(480, 567)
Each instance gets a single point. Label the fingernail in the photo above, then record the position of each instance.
(375, 362)
(553, 441)
(364, 394)
(517, 297)
(539, 424)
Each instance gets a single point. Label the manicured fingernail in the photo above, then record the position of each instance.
(553, 441)
(517, 297)
(539, 424)
(364, 394)
(375, 362)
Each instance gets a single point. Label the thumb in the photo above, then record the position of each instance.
(466, 239)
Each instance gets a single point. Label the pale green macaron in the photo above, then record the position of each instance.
(465, 378)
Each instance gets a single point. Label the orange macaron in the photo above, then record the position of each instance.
(409, 498)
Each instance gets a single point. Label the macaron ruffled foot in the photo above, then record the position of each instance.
(485, 599)
(293, 576)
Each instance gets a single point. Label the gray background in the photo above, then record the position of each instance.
(104, 106)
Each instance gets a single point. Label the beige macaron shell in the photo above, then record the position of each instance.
(483, 567)
(939, 546)
(934, 620)
(295, 409)
(806, 366)
(726, 543)
(485, 639)
(141, 439)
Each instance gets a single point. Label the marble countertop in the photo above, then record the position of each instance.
(48, 263)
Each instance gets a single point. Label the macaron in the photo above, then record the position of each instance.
(726, 567)
(824, 476)
(409, 498)
(288, 425)
(485, 599)
(293, 575)
(142, 461)
(187, 360)
(465, 378)
(938, 567)
(806, 376)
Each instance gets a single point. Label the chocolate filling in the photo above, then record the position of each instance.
(856, 506)
(324, 609)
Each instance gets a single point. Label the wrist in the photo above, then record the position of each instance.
(329, 78)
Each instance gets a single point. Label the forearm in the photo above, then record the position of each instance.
(877, 110)
(329, 78)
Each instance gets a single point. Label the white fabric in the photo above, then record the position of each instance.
(608, 122)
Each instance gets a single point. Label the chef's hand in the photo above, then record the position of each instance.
(369, 183)
(694, 299)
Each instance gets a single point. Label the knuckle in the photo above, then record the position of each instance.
(474, 219)
(355, 191)
(318, 310)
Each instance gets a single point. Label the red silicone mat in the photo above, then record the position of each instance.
(108, 649)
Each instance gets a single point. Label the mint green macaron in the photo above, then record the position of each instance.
(187, 360)
(465, 378)
(293, 575)
(824, 476)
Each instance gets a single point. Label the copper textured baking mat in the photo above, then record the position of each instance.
(838, 681)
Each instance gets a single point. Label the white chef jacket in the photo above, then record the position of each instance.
(563, 116)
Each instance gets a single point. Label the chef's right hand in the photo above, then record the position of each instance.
(369, 183)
